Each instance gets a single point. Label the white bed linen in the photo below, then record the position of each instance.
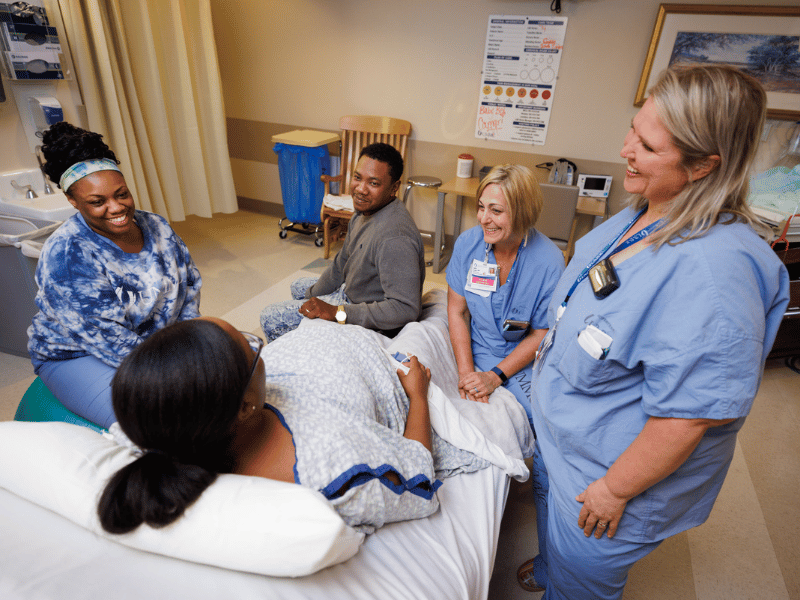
(449, 555)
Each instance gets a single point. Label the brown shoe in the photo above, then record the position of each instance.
(525, 578)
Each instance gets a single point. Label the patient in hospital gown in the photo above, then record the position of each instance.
(346, 410)
(326, 408)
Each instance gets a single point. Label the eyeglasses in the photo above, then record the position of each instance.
(256, 344)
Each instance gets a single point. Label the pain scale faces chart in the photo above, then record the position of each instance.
(520, 69)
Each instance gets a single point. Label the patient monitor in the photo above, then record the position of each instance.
(594, 186)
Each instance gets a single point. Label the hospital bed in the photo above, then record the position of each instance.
(449, 555)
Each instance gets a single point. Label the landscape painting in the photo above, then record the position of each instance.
(763, 41)
(772, 59)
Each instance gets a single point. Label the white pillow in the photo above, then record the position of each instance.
(242, 523)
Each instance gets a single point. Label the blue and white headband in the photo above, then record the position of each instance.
(84, 168)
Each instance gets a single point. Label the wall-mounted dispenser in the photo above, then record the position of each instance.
(38, 108)
(45, 111)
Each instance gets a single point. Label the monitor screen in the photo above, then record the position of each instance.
(594, 186)
(595, 183)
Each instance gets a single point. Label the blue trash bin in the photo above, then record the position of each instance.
(300, 170)
(302, 159)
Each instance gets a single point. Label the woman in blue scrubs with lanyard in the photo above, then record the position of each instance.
(659, 330)
(500, 279)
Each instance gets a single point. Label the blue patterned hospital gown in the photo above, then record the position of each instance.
(341, 399)
(95, 299)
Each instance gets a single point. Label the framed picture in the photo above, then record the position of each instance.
(763, 41)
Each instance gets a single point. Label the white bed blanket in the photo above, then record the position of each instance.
(448, 555)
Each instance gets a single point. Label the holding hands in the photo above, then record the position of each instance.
(478, 385)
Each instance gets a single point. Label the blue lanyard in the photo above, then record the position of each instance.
(491, 247)
(639, 235)
(544, 346)
(547, 342)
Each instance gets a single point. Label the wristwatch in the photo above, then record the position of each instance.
(341, 316)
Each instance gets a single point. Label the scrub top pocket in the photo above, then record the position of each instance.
(514, 336)
(593, 376)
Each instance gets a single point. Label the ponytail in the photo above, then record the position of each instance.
(177, 395)
(155, 489)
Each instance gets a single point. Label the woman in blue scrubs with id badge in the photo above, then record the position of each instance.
(500, 279)
(659, 330)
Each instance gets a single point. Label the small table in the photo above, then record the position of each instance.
(461, 187)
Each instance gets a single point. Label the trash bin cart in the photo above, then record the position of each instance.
(302, 158)
(21, 241)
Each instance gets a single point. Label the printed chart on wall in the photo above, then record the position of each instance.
(518, 85)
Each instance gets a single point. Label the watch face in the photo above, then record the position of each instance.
(341, 316)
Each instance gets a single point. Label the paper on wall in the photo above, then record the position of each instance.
(518, 84)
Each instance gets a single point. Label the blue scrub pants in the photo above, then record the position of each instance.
(82, 385)
(541, 488)
(577, 567)
(283, 317)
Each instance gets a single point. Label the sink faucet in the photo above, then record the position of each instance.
(29, 193)
(47, 188)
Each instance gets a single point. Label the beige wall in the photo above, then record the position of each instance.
(305, 63)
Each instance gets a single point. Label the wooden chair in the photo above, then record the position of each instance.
(357, 132)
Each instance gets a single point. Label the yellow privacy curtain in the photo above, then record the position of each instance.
(149, 77)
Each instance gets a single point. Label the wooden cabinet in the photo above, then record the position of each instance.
(787, 342)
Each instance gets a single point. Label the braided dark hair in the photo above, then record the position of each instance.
(63, 145)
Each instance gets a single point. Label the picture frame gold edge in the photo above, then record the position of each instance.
(641, 89)
(721, 9)
(783, 114)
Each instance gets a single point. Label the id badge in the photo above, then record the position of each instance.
(482, 277)
(547, 342)
(544, 348)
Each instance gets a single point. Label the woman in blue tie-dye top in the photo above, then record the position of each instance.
(108, 278)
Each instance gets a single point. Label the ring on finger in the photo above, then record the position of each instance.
(602, 524)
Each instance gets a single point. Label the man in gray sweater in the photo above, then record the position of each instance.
(376, 278)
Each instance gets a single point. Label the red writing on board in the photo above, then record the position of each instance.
(489, 125)
(550, 43)
(492, 110)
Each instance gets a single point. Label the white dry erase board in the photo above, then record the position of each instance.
(518, 83)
